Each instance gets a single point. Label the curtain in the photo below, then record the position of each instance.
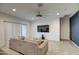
(16, 29)
(9, 30)
(2, 41)
(13, 30)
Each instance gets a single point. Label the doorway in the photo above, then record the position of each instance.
(65, 28)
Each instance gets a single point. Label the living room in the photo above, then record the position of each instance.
(29, 23)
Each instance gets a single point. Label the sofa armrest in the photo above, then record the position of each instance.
(43, 48)
(43, 44)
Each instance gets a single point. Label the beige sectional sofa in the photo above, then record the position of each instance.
(29, 47)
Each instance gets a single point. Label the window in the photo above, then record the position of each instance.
(23, 30)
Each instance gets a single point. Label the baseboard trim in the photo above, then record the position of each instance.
(75, 44)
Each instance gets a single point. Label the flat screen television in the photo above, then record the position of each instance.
(43, 28)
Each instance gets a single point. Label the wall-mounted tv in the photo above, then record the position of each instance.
(43, 28)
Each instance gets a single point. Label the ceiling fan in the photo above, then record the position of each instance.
(39, 12)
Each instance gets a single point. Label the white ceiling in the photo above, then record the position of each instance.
(29, 10)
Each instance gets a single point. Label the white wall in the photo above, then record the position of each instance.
(65, 28)
(54, 29)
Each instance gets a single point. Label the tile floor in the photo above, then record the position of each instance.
(55, 48)
(62, 48)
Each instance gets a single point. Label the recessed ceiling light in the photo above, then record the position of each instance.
(14, 10)
(58, 13)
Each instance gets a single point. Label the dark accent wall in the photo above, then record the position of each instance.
(75, 28)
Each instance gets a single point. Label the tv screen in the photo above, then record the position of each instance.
(43, 28)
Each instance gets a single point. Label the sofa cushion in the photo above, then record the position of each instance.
(21, 37)
(37, 42)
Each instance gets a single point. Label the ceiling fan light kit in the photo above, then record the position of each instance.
(39, 13)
